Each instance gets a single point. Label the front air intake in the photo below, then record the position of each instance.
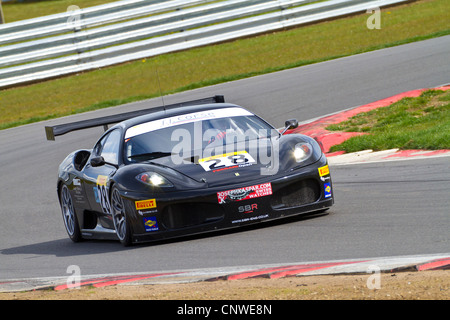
(184, 215)
(296, 194)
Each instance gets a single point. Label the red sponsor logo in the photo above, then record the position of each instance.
(256, 191)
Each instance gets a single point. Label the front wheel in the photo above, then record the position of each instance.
(121, 222)
(69, 216)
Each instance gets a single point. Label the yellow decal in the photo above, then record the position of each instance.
(101, 180)
(323, 171)
(150, 223)
(145, 204)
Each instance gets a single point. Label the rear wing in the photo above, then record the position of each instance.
(58, 130)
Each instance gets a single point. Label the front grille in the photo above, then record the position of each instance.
(296, 194)
(184, 215)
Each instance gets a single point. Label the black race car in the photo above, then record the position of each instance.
(187, 168)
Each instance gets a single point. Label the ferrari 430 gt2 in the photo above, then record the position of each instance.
(188, 168)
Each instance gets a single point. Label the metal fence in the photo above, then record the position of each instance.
(86, 39)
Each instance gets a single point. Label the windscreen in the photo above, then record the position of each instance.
(196, 135)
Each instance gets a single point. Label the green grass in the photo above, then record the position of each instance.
(411, 123)
(221, 63)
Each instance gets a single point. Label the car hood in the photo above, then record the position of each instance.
(273, 157)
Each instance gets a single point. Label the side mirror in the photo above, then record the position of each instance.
(97, 161)
(290, 124)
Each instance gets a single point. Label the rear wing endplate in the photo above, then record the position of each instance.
(58, 130)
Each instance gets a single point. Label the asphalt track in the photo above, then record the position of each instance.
(382, 209)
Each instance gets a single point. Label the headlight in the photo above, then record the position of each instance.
(302, 151)
(154, 179)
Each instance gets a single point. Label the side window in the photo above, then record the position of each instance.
(108, 147)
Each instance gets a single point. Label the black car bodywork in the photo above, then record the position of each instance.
(160, 175)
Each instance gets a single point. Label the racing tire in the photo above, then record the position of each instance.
(69, 215)
(120, 218)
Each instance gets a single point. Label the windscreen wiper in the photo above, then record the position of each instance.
(151, 155)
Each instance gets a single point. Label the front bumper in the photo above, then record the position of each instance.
(169, 215)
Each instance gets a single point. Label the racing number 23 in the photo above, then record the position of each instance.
(226, 160)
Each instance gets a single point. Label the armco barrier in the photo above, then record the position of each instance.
(100, 36)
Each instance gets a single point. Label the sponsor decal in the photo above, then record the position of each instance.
(150, 224)
(101, 180)
(249, 208)
(323, 171)
(226, 161)
(97, 199)
(147, 212)
(256, 191)
(250, 219)
(145, 204)
(185, 118)
(102, 194)
(327, 189)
